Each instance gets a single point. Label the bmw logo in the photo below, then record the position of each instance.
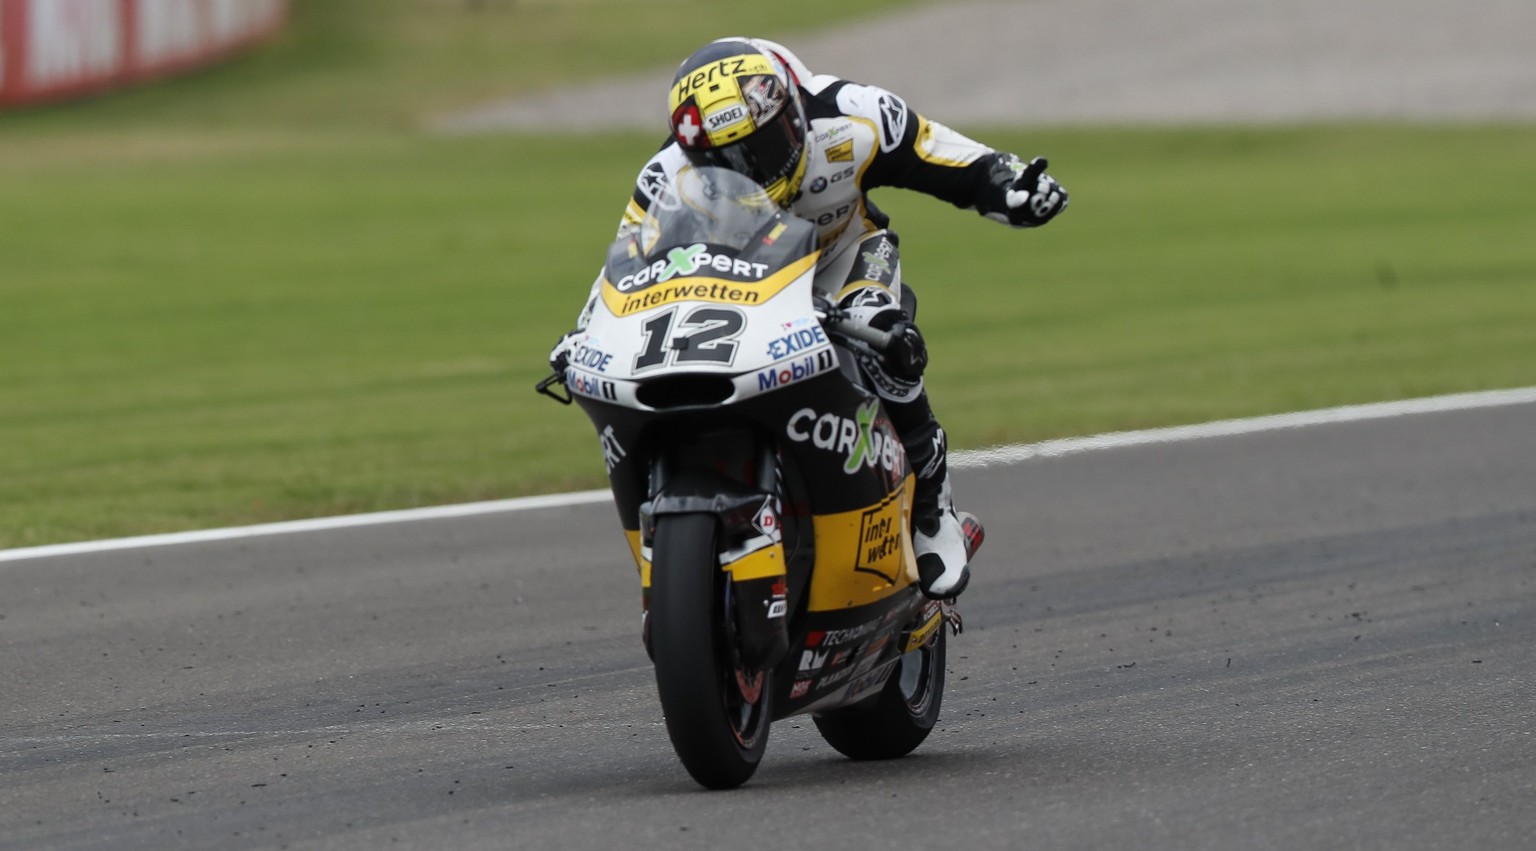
(819, 184)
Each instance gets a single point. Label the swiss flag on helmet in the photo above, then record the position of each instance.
(687, 127)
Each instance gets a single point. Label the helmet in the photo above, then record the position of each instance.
(737, 107)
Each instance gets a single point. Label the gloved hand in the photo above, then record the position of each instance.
(560, 355)
(907, 355)
(1035, 197)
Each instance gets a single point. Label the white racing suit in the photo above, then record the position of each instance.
(861, 137)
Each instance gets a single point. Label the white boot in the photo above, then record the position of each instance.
(944, 541)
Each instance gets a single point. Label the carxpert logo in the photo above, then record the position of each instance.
(686, 261)
(859, 440)
(877, 261)
(694, 273)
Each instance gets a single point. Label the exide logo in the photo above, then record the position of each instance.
(800, 340)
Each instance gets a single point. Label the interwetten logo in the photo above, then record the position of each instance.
(750, 283)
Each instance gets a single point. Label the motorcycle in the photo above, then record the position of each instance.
(763, 491)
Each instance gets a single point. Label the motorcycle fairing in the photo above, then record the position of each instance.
(731, 340)
(864, 555)
(714, 389)
(845, 526)
(858, 511)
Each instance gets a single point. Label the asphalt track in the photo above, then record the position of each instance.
(1320, 637)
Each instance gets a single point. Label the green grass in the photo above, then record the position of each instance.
(229, 300)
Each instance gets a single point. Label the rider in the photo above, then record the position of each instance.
(818, 144)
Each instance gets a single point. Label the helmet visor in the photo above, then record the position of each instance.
(769, 155)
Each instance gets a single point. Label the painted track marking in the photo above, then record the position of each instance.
(960, 459)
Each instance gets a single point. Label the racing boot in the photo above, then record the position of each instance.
(943, 539)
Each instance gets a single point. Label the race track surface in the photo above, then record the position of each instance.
(1312, 638)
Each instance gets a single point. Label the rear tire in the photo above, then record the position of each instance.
(718, 732)
(903, 714)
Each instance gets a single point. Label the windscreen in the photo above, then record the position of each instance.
(722, 211)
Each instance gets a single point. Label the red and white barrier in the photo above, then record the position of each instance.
(56, 49)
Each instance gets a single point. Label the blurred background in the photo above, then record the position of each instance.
(263, 260)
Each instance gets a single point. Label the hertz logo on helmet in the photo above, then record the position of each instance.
(720, 70)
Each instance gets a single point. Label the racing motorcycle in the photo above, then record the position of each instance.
(763, 491)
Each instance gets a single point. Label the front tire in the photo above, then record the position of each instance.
(718, 725)
(902, 715)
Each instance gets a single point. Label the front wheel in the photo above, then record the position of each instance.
(717, 714)
(901, 717)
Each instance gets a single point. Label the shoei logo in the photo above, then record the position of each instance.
(861, 444)
(725, 117)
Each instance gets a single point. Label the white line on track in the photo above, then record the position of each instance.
(962, 459)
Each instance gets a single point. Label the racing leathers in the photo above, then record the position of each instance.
(859, 137)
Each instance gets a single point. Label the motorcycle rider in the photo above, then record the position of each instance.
(818, 144)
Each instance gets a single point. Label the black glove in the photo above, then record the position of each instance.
(907, 355)
(1034, 197)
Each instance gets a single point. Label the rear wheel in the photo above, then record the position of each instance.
(717, 714)
(903, 714)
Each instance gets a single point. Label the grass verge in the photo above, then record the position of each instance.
(212, 315)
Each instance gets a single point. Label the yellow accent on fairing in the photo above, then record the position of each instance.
(921, 634)
(762, 564)
(865, 555)
(715, 290)
(632, 536)
(862, 556)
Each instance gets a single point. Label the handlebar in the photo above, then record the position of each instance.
(837, 322)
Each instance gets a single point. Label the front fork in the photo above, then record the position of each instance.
(749, 540)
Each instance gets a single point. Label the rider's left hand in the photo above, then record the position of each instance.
(1035, 197)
